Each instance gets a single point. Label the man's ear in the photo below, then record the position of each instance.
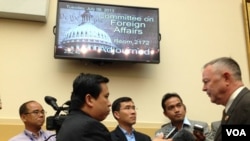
(89, 100)
(227, 76)
(23, 117)
(116, 114)
(185, 108)
(165, 113)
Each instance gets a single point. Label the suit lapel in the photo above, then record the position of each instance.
(226, 118)
(119, 134)
(234, 104)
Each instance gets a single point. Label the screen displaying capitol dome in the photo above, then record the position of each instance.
(107, 32)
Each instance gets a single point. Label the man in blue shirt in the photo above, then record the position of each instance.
(124, 111)
(33, 116)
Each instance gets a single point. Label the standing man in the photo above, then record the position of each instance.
(175, 110)
(33, 116)
(89, 106)
(223, 84)
(124, 111)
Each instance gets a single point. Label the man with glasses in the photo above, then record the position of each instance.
(33, 116)
(124, 111)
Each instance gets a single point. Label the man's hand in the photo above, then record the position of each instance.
(199, 136)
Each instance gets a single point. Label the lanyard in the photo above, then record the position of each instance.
(30, 136)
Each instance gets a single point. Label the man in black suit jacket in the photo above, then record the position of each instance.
(124, 111)
(223, 84)
(89, 105)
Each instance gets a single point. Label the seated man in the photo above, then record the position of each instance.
(124, 111)
(33, 117)
(175, 110)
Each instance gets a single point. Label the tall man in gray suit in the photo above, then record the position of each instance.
(223, 84)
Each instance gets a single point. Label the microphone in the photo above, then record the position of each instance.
(68, 102)
(171, 133)
(184, 135)
(52, 102)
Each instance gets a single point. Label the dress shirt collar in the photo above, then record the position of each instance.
(125, 132)
(232, 97)
(129, 136)
(186, 122)
(32, 135)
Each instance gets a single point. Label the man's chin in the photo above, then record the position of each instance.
(212, 100)
(179, 119)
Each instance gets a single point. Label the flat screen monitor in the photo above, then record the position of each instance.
(105, 32)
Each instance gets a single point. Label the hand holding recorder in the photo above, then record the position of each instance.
(198, 132)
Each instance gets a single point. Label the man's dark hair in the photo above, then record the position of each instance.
(184, 135)
(168, 96)
(86, 84)
(23, 108)
(117, 103)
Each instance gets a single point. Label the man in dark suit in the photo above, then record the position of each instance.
(223, 84)
(124, 111)
(89, 105)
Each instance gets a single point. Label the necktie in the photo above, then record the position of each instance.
(224, 117)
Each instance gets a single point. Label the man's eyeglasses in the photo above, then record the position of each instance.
(37, 112)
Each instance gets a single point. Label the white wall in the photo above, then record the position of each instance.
(193, 32)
